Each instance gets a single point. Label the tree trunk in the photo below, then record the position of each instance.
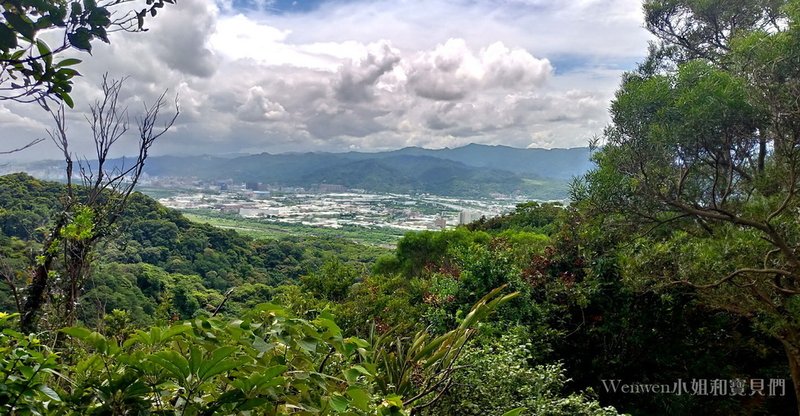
(35, 292)
(34, 299)
(77, 258)
(793, 356)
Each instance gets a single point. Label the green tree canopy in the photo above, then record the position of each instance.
(704, 159)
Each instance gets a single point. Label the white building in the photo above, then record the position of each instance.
(466, 217)
(257, 212)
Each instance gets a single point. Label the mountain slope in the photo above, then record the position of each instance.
(473, 170)
(546, 163)
(419, 174)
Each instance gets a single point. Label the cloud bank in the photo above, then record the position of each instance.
(343, 75)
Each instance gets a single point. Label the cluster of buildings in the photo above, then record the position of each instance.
(337, 209)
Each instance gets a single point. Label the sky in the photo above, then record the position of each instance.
(275, 76)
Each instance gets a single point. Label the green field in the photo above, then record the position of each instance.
(384, 237)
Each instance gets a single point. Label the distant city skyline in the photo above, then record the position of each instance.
(258, 76)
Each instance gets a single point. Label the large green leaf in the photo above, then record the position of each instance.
(70, 62)
(219, 363)
(360, 398)
(174, 363)
(47, 391)
(77, 332)
(338, 402)
(81, 39)
(21, 24)
(8, 39)
(308, 344)
(44, 52)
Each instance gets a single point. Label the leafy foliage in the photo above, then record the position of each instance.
(29, 70)
(268, 362)
(578, 315)
(163, 266)
(699, 174)
(498, 375)
(575, 307)
(26, 364)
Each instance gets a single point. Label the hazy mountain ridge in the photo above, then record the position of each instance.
(472, 170)
(546, 163)
(404, 173)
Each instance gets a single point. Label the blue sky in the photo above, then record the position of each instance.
(284, 75)
(277, 6)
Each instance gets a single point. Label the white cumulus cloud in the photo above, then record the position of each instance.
(368, 75)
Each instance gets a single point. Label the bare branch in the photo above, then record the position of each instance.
(19, 149)
(59, 137)
(736, 273)
(106, 196)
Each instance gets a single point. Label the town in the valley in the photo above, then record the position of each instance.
(326, 205)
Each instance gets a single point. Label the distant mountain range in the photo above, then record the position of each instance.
(473, 170)
(545, 163)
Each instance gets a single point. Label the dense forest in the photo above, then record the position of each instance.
(162, 265)
(574, 321)
(675, 264)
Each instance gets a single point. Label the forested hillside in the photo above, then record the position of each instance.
(573, 318)
(163, 269)
(161, 265)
